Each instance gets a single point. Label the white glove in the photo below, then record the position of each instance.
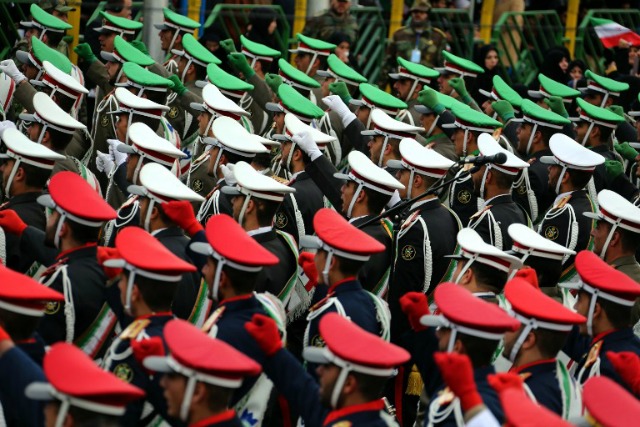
(7, 124)
(227, 171)
(307, 144)
(104, 162)
(335, 103)
(10, 69)
(117, 156)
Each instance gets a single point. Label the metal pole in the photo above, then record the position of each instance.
(74, 19)
(395, 20)
(572, 24)
(152, 12)
(486, 20)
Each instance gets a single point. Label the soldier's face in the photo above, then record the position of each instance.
(174, 386)
(593, 98)
(278, 122)
(122, 124)
(106, 41)
(581, 130)
(319, 260)
(302, 61)
(347, 192)
(402, 88)
(443, 335)
(443, 81)
(477, 180)
(31, 32)
(458, 140)
(182, 62)
(487, 108)
(509, 341)
(600, 233)
(213, 153)
(419, 16)
(30, 72)
(112, 70)
(165, 38)
(375, 148)
(403, 176)
(524, 133)
(363, 114)
(581, 306)
(327, 377)
(50, 229)
(203, 121)
(236, 203)
(285, 149)
(426, 120)
(554, 175)
(132, 163)
(208, 272)
(51, 413)
(5, 169)
(340, 7)
(325, 86)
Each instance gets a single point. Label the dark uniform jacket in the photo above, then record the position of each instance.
(544, 196)
(215, 203)
(225, 419)
(17, 371)
(295, 215)
(274, 278)
(590, 353)
(492, 222)
(32, 213)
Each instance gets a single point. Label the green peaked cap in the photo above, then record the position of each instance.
(174, 19)
(227, 82)
(550, 87)
(46, 20)
(604, 84)
(503, 91)
(536, 114)
(123, 52)
(448, 101)
(467, 117)
(598, 115)
(198, 53)
(412, 70)
(340, 71)
(258, 49)
(141, 77)
(458, 65)
(42, 53)
(295, 102)
(119, 24)
(306, 43)
(372, 97)
(296, 77)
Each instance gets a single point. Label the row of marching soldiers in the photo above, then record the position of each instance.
(251, 249)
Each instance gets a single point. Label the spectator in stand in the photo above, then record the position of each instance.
(262, 28)
(576, 72)
(555, 66)
(510, 34)
(487, 57)
(336, 19)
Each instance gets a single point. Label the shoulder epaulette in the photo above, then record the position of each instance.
(134, 329)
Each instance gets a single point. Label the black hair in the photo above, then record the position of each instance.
(20, 327)
(547, 270)
(157, 294)
(265, 210)
(152, 122)
(35, 176)
(489, 277)
(619, 315)
(371, 387)
(243, 282)
(376, 201)
(349, 267)
(550, 342)
(479, 350)
(503, 180)
(83, 234)
(59, 140)
(579, 178)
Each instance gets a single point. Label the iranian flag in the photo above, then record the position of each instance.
(610, 33)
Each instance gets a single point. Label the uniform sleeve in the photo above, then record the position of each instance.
(353, 135)
(17, 371)
(32, 242)
(422, 345)
(285, 218)
(97, 73)
(261, 92)
(321, 172)
(297, 386)
(24, 95)
(576, 345)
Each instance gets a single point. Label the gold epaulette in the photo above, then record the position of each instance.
(134, 329)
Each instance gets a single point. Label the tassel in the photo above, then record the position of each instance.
(414, 382)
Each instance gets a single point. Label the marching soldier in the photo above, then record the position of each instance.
(435, 136)
(458, 68)
(174, 27)
(492, 183)
(47, 28)
(375, 98)
(307, 86)
(386, 133)
(68, 248)
(534, 348)
(26, 169)
(148, 283)
(531, 189)
(410, 79)
(206, 383)
(605, 298)
(311, 55)
(549, 88)
(571, 168)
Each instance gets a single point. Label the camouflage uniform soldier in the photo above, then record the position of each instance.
(418, 42)
(336, 19)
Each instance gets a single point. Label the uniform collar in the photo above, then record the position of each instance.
(260, 230)
(561, 196)
(499, 199)
(527, 366)
(376, 405)
(613, 334)
(424, 204)
(624, 260)
(155, 315)
(24, 198)
(78, 251)
(224, 416)
(333, 287)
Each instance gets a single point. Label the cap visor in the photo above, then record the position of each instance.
(357, 102)
(23, 56)
(548, 160)
(38, 83)
(272, 106)
(177, 52)
(114, 263)
(340, 175)
(201, 248)
(108, 56)
(27, 117)
(323, 73)
(317, 355)
(395, 164)
(209, 141)
(39, 391)
(432, 320)
(635, 145)
(570, 285)
(281, 137)
(46, 201)
(161, 27)
(197, 106)
(369, 133)
(454, 256)
(231, 191)
(26, 24)
(449, 125)
(101, 30)
(395, 76)
(310, 242)
(124, 148)
(201, 83)
(593, 215)
(535, 94)
(157, 364)
(137, 189)
(422, 109)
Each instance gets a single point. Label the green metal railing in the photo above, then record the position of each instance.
(589, 47)
(522, 38)
(458, 25)
(9, 34)
(233, 20)
(369, 49)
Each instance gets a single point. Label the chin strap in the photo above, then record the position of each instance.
(127, 300)
(62, 412)
(384, 147)
(187, 397)
(325, 270)
(353, 200)
(464, 144)
(560, 177)
(7, 186)
(337, 388)
(464, 269)
(586, 135)
(244, 208)
(313, 60)
(433, 125)
(614, 226)
(533, 133)
(413, 88)
(147, 218)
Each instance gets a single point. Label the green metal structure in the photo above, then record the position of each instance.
(369, 49)
(458, 25)
(589, 47)
(11, 13)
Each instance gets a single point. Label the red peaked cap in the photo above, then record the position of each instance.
(193, 349)
(74, 195)
(597, 273)
(532, 303)
(22, 291)
(350, 342)
(461, 307)
(143, 251)
(337, 232)
(70, 371)
(610, 404)
(230, 241)
(521, 411)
